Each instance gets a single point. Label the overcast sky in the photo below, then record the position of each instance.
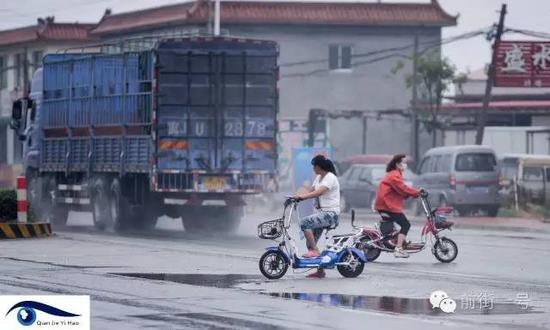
(467, 55)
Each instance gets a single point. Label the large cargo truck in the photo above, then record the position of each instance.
(185, 129)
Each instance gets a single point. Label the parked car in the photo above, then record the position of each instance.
(464, 177)
(529, 174)
(359, 183)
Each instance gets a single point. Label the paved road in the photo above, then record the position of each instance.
(168, 279)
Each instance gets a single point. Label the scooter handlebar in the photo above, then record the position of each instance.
(423, 193)
(292, 199)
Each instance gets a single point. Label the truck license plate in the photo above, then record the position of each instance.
(479, 190)
(214, 182)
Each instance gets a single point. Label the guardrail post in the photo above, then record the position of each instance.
(22, 204)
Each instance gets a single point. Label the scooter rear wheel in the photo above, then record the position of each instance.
(273, 264)
(370, 252)
(351, 271)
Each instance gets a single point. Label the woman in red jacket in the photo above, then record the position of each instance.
(389, 200)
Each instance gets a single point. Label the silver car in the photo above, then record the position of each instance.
(359, 183)
(464, 177)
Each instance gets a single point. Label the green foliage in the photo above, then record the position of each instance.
(508, 213)
(8, 205)
(434, 76)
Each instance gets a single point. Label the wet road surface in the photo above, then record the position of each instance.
(168, 279)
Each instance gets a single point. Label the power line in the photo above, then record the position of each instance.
(394, 52)
(529, 33)
(394, 49)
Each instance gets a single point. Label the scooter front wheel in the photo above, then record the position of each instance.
(273, 264)
(355, 267)
(445, 250)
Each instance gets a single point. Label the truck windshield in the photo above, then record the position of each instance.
(475, 162)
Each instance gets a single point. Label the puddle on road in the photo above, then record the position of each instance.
(414, 306)
(212, 280)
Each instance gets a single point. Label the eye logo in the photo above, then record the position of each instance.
(26, 315)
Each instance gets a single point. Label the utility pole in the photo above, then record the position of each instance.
(482, 121)
(210, 18)
(217, 15)
(414, 102)
(364, 146)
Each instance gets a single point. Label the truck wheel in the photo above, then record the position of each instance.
(100, 195)
(55, 213)
(229, 220)
(119, 207)
(492, 211)
(145, 218)
(193, 225)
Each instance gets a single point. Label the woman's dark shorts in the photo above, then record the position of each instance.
(386, 226)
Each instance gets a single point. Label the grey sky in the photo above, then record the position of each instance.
(470, 54)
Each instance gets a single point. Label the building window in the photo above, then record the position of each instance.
(3, 72)
(339, 57)
(19, 68)
(37, 59)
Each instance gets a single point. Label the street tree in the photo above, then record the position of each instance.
(434, 76)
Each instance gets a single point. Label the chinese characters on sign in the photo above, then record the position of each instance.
(522, 64)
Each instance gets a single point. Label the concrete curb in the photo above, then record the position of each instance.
(501, 228)
(24, 230)
(496, 227)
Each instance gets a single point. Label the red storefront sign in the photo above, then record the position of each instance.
(522, 64)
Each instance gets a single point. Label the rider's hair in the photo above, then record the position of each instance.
(324, 163)
(392, 165)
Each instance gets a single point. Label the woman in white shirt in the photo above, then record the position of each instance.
(326, 191)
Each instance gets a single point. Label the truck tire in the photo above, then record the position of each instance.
(100, 196)
(229, 219)
(119, 207)
(55, 213)
(145, 218)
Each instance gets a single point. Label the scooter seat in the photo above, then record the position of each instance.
(342, 235)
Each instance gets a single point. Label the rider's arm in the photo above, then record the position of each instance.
(315, 193)
(396, 181)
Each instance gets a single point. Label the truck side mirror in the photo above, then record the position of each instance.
(17, 110)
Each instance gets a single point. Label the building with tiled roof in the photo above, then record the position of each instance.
(280, 13)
